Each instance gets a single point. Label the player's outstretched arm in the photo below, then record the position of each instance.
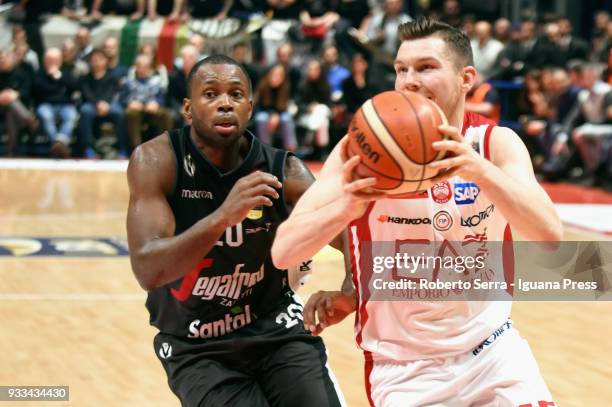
(158, 257)
(507, 180)
(324, 211)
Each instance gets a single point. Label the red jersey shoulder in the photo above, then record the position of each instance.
(475, 119)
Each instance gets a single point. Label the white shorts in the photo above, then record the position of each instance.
(500, 372)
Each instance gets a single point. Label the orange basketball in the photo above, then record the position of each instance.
(392, 133)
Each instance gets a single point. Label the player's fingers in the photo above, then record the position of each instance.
(360, 184)
(451, 132)
(348, 168)
(344, 148)
(321, 313)
(450, 145)
(258, 201)
(309, 309)
(447, 163)
(329, 306)
(263, 189)
(260, 177)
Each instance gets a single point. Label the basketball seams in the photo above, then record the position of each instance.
(423, 146)
(386, 140)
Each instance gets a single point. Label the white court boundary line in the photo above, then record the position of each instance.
(72, 297)
(63, 165)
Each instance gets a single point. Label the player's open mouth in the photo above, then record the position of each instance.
(225, 125)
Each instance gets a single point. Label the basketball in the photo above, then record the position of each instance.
(392, 133)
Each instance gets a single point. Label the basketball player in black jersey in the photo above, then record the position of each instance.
(205, 202)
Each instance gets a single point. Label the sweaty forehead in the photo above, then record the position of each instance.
(211, 73)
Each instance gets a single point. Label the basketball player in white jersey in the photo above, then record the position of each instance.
(442, 353)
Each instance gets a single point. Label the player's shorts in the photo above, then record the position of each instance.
(272, 362)
(501, 371)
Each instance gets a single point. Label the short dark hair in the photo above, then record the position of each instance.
(98, 51)
(456, 40)
(218, 59)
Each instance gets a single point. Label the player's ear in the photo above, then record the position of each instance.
(250, 108)
(187, 109)
(468, 78)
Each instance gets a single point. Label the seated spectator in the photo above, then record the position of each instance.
(572, 47)
(82, 39)
(284, 56)
(334, 72)
(158, 68)
(502, 30)
(532, 109)
(282, 16)
(116, 69)
(272, 103)
(314, 99)
(21, 45)
(199, 42)
(485, 48)
(593, 135)
(14, 98)
(177, 91)
(53, 97)
(483, 99)
(354, 14)
(356, 89)
(240, 52)
(142, 97)
(99, 92)
(317, 17)
(70, 63)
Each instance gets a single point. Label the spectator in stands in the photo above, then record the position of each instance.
(54, 101)
(356, 89)
(483, 99)
(468, 25)
(606, 48)
(115, 68)
(217, 9)
(485, 48)
(572, 47)
(159, 69)
(240, 53)
(142, 97)
(451, 13)
(272, 108)
(70, 62)
(99, 93)
(562, 98)
(314, 99)
(282, 15)
(599, 33)
(177, 91)
(354, 14)
(502, 30)
(22, 47)
(82, 38)
(15, 87)
(383, 41)
(199, 42)
(284, 56)
(335, 73)
(593, 135)
(121, 7)
(547, 50)
(317, 17)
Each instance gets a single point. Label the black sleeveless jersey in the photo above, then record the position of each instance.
(236, 281)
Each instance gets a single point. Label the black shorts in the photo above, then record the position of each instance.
(272, 362)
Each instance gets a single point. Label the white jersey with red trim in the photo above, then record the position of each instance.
(410, 324)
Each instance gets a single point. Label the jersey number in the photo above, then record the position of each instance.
(233, 236)
(291, 317)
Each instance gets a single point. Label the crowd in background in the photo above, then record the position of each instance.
(313, 63)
